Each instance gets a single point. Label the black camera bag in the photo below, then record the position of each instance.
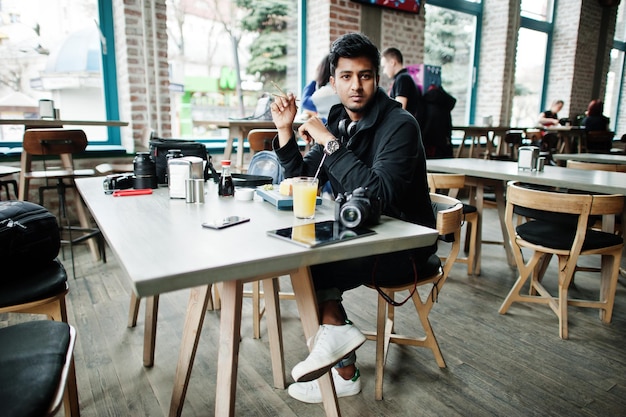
(159, 148)
(29, 234)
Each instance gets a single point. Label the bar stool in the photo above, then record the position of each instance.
(5, 171)
(61, 143)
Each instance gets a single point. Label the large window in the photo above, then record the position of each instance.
(450, 42)
(615, 75)
(224, 55)
(530, 61)
(45, 59)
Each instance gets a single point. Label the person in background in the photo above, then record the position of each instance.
(594, 119)
(308, 108)
(549, 140)
(318, 96)
(550, 117)
(369, 141)
(324, 97)
(403, 88)
(437, 127)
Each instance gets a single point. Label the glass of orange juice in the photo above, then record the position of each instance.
(304, 197)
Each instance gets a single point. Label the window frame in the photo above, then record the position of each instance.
(475, 9)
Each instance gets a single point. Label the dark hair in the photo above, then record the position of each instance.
(393, 53)
(354, 45)
(595, 108)
(323, 72)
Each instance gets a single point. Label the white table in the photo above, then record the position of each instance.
(600, 158)
(162, 247)
(480, 172)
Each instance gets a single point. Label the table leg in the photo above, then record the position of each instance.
(243, 133)
(501, 206)
(228, 150)
(149, 335)
(274, 331)
(478, 201)
(196, 309)
(459, 150)
(81, 212)
(228, 353)
(307, 307)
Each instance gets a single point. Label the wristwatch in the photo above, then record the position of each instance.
(331, 147)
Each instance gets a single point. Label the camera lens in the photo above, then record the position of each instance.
(350, 216)
(145, 171)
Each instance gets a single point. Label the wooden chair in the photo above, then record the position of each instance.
(453, 183)
(595, 166)
(261, 139)
(41, 290)
(449, 218)
(36, 359)
(557, 224)
(152, 311)
(61, 143)
(6, 171)
(598, 141)
(509, 145)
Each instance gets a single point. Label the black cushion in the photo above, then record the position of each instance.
(469, 209)
(556, 235)
(32, 356)
(429, 268)
(33, 284)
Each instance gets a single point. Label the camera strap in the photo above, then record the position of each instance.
(386, 297)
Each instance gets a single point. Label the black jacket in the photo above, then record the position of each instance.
(385, 155)
(437, 128)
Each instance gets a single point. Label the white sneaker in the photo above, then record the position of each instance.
(331, 344)
(309, 392)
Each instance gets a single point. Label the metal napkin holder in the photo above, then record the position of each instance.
(528, 158)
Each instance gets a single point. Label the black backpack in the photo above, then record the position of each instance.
(29, 234)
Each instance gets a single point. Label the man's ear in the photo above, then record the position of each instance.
(332, 83)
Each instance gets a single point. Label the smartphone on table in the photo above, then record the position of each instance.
(225, 222)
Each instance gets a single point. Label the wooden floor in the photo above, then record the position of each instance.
(511, 365)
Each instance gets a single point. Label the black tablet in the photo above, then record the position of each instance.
(318, 234)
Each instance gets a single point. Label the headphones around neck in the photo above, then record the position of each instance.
(346, 132)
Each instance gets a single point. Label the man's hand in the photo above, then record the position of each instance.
(315, 130)
(284, 111)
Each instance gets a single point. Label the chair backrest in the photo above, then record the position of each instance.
(449, 215)
(54, 141)
(266, 163)
(261, 139)
(595, 166)
(599, 141)
(451, 182)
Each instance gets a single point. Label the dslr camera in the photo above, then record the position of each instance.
(357, 209)
(114, 182)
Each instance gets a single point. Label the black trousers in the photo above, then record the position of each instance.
(390, 269)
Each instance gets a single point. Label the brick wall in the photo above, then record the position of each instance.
(142, 70)
(496, 68)
(576, 53)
